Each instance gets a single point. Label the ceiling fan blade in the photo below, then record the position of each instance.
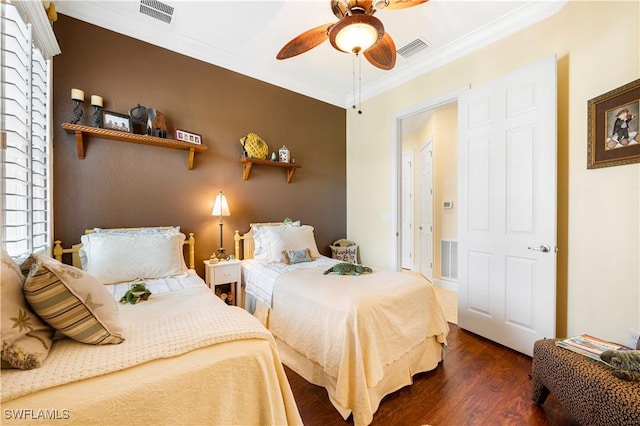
(383, 53)
(403, 4)
(305, 41)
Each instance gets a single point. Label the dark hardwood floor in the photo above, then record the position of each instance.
(480, 382)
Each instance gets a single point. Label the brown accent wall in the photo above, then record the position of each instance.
(127, 185)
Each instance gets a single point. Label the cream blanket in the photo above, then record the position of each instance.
(354, 326)
(167, 325)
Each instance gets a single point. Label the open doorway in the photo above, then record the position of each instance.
(428, 134)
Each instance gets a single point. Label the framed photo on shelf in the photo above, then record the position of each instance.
(184, 136)
(114, 121)
(613, 138)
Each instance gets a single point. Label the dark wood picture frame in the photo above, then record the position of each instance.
(116, 121)
(613, 138)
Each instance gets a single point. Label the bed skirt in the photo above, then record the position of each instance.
(424, 357)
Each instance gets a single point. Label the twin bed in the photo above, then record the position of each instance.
(361, 337)
(185, 357)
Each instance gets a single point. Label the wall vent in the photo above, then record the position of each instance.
(157, 10)
(412, 48)
(449, 259)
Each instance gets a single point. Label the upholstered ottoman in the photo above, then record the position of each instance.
(586, 388)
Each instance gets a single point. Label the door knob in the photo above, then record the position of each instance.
(543, 248)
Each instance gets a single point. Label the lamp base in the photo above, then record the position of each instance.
(221, 254)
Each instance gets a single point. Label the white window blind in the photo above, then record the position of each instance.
(24, 120)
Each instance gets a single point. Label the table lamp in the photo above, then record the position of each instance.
(220, 208)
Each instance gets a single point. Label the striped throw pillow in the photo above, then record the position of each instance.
(73, 302)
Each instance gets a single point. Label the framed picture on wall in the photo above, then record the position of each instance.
(613, 138)
(114, 121)
(185, 136)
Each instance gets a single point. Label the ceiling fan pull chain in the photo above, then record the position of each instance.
(353, 73)
(359, 84)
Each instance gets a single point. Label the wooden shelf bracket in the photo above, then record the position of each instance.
(248, 162)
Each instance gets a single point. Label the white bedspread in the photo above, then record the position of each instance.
(260, 276)
(160, 285)
(353, 327)
(165, 326)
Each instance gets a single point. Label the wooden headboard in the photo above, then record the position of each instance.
(248, 245)
(58, 251)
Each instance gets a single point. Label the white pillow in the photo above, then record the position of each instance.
(275, 239)
(260, 243)
(140, 231)
(131, 231)
(117, 257)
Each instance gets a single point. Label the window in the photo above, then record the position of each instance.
(24, 124)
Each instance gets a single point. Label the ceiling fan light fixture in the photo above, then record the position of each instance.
(356, 33)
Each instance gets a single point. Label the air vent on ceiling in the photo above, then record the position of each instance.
(156, 9)
(412, 48)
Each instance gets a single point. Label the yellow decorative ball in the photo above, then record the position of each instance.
(255, 146)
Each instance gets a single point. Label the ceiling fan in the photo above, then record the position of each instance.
(356, 31)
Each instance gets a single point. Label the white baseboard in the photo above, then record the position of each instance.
(446, 284)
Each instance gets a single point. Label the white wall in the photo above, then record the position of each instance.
(598, 210)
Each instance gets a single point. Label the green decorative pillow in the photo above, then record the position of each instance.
(255, 146)
(26, 339)
(73, 302)
(296, 256)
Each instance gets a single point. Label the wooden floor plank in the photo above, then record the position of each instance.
(480, 382)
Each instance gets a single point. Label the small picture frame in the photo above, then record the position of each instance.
(613, 138)
(115, 121)
(184, 136)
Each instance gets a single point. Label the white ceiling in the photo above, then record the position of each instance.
(245, 36)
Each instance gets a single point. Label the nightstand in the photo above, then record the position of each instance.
(222, 273)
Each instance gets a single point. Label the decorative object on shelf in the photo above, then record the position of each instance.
(273, 156)
(97, 102)
(221, 208)
(156, 124)
(184, 136)
(284, 154)
(139, 119)
(114, 121)
(254, 146)
(78, 96)
(613, 138)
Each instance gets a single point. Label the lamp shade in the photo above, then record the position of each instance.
(220, 206)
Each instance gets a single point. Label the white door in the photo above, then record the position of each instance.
(407, 210)
(426, 210)
(507, 201)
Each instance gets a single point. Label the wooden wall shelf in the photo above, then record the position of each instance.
(248, 162)
(83, 132)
